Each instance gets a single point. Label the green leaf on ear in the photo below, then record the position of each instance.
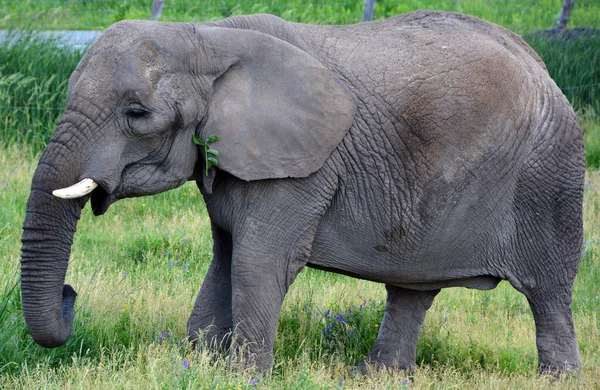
(197, 140)
(211, 161)
(211, 139)
(213, 152)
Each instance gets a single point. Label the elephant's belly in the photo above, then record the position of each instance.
(343, 250)
(365, 253)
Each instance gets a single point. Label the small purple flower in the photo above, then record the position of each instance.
(186, 267)
(340, 318)
(163, 335)
(124, 274)
(327, 313)
(445, 319)
(170, 263)
(328, 329)
(342, 382)
(180, 343)
(185, 240)
(167, 254)
(404, 382)
(185, 364)
(253, 382)
(362, 305)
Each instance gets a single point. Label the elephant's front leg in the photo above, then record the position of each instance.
(396, 344)
(260, 283)
(212, 314)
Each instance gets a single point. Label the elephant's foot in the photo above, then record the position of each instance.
(370, 365)
(240, 354)
(212, 337)
(558, 353)
(246, 357)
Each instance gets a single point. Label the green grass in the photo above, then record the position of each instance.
(33, 88)
(590, 125)
(573, 63)
(138, 268)
(520, 16)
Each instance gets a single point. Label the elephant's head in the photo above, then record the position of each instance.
(135, 101)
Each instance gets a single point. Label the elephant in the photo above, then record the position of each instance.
(424, 151)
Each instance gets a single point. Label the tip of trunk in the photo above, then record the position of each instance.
(52, 334)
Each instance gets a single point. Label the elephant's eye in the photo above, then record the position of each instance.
(136, 112)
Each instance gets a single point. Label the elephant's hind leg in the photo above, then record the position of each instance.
(547, 283)
(396, 344)
(212, 314)
(548, 238)
(546, 280)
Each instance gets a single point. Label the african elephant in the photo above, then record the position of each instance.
(425, 151)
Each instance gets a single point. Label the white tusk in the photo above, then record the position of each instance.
(78, 190)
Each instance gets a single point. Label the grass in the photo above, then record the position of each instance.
(520, 16)
(138, 268)
(33, 88)
(565, 58)
(590, 126)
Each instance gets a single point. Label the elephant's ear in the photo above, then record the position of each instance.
(278, 112)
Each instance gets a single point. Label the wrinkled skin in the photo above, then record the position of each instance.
(425, 151)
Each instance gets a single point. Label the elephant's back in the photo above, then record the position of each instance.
(415, 32)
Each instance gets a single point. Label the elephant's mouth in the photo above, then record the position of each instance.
(101, 200)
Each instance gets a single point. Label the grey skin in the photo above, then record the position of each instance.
(425, 151)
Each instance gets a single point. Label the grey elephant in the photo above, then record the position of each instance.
(425, 151)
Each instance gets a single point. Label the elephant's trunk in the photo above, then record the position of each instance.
(48, 231)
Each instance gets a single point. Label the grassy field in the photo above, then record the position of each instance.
(138, 268)
(137, 271)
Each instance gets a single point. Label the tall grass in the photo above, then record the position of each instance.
(33, 82)
(138, 268)
(520, 16)
(590, 125)
(573, 59)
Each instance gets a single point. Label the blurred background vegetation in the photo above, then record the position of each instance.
(521, 16)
